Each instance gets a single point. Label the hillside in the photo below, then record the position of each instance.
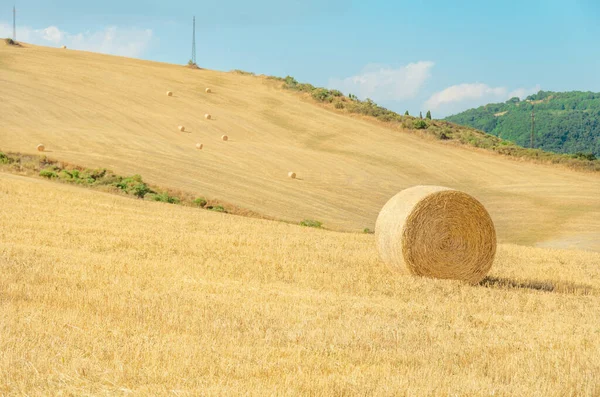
(107, 295)
(565, 122)
(103, 111)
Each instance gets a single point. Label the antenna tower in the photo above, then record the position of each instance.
(194, 41)
(14, 24)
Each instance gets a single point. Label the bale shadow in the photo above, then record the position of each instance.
(559, 287)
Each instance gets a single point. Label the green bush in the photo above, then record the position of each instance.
(420, 124)
(200, 202)
(322, 95)
(134, 185)
(366, 230)
(49, 173)
(164, 198)
(584, 156)
(311, 223)
(4, 159)
(216, 208)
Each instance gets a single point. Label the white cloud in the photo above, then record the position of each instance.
(381, 82)
(131, 42)
(464, 92)
(463, 96)
(524, 92)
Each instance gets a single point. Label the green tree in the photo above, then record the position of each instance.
(406, 113)
(428, 115)
(421, 115)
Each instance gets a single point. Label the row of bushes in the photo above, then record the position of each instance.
(437, 128)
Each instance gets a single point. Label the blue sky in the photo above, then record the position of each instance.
(406, 55)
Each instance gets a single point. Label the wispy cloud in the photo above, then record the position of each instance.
(463, 96)
(524, 92)
(131, 42)
(383, 83)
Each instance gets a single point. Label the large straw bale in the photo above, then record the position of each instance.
(436, 232)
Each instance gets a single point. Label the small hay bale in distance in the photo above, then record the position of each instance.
(41, 147)
(208, 90)
(199, 146)
(437, 232)
(64, 47)
(207, 116)
(181, 128)
(225, 138)
(169, 93)
(292, 175)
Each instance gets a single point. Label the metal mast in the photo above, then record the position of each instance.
(14, 23)
(532, 127)
(194, 41)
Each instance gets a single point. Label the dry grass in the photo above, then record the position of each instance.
(102, 111)
(197, 303)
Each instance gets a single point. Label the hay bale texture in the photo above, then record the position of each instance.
(225, 137)
(169, 93)
(208, 90)
(41, 147)
(436, 232)
(292, 175)
(181, 128)
(199, 146)
(207, 116)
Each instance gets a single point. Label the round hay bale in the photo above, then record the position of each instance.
(181, 128)
(292, 175)
(225, 137)
(199, 146)
(208, 90)
(169, 93)
(41, 147)
(207, 116)
(436, 232)
(64, 47)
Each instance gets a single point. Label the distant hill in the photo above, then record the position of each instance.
(565, 122)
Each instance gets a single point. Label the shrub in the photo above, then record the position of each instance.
(339, 105)
(49, 173)
(10, 41)
(164, 198)
(366, 230)
(134, 185)
(584, 156)
(322, 95)
(311, 223)
(420, 124)
(4, 159)
(66, 175)
(200, 202)
(216, 208)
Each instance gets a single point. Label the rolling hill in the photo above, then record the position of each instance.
(107, 295)
(104, 111)
(565, 122)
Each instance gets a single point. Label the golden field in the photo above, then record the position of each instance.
(108, 295)
(104, 111)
